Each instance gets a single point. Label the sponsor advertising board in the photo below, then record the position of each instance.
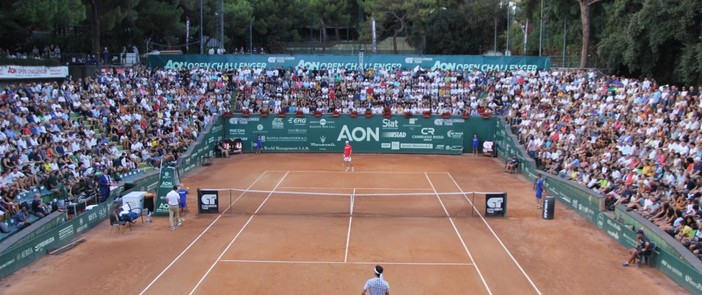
(207, 201)
(367, 135)
(351, 62)
(167, 179)
(27, 72)
(495, 205)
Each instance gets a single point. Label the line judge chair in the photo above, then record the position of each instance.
(115, 222)
(647, 257)
(488, 147)
(132, 207)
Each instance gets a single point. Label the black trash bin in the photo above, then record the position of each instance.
(549, 207)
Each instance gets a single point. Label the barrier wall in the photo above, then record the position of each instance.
(378, 134)
(670, 259)
(352, 61)
(203, 148)
(25, 253)
(44, 224)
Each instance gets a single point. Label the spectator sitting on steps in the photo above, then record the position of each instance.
(39, 208)
(22, 217)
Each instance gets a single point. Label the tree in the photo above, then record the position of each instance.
(237, 16)
(667, 49)
(585, 25)
(329, 12)
(161, 21)
(21, 19)
(105, 15)
(42, 15)
(397, 14)
(459, 30)
(275, 21)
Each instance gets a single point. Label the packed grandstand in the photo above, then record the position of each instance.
(634, 141)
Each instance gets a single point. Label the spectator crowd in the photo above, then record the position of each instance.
(48, 52)
(345, 91)
(63, 135)
(634, 141)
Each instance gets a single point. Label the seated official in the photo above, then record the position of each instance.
(643, 247)
(223, 148)
(512, 164)
(128, 217)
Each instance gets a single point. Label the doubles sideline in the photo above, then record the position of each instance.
(197, 238)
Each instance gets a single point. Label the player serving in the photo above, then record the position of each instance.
(347, 156)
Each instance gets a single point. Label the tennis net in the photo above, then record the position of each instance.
(386, 204)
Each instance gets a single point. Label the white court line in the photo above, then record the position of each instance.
(348, 234)
(198, 237)
(315, 189)
(355, 172)
(349, 262)
(237, 234)
(459, 236)
(497, 237)
(280, 192)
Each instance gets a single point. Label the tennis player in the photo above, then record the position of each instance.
(347, 156)
(377, 285)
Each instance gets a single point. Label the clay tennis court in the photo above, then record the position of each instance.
(287, 228)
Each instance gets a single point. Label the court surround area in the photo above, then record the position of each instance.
(297, 223)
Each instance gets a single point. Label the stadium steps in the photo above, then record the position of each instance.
(146, 167)
(73, 116)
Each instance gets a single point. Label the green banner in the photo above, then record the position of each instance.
(377, 134)
(351, 61)
(616, 230)
(681, 273)
(168, 177)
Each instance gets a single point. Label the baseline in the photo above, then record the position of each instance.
(355, 172)
(317, 189)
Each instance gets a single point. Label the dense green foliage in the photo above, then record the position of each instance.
(655, 38)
